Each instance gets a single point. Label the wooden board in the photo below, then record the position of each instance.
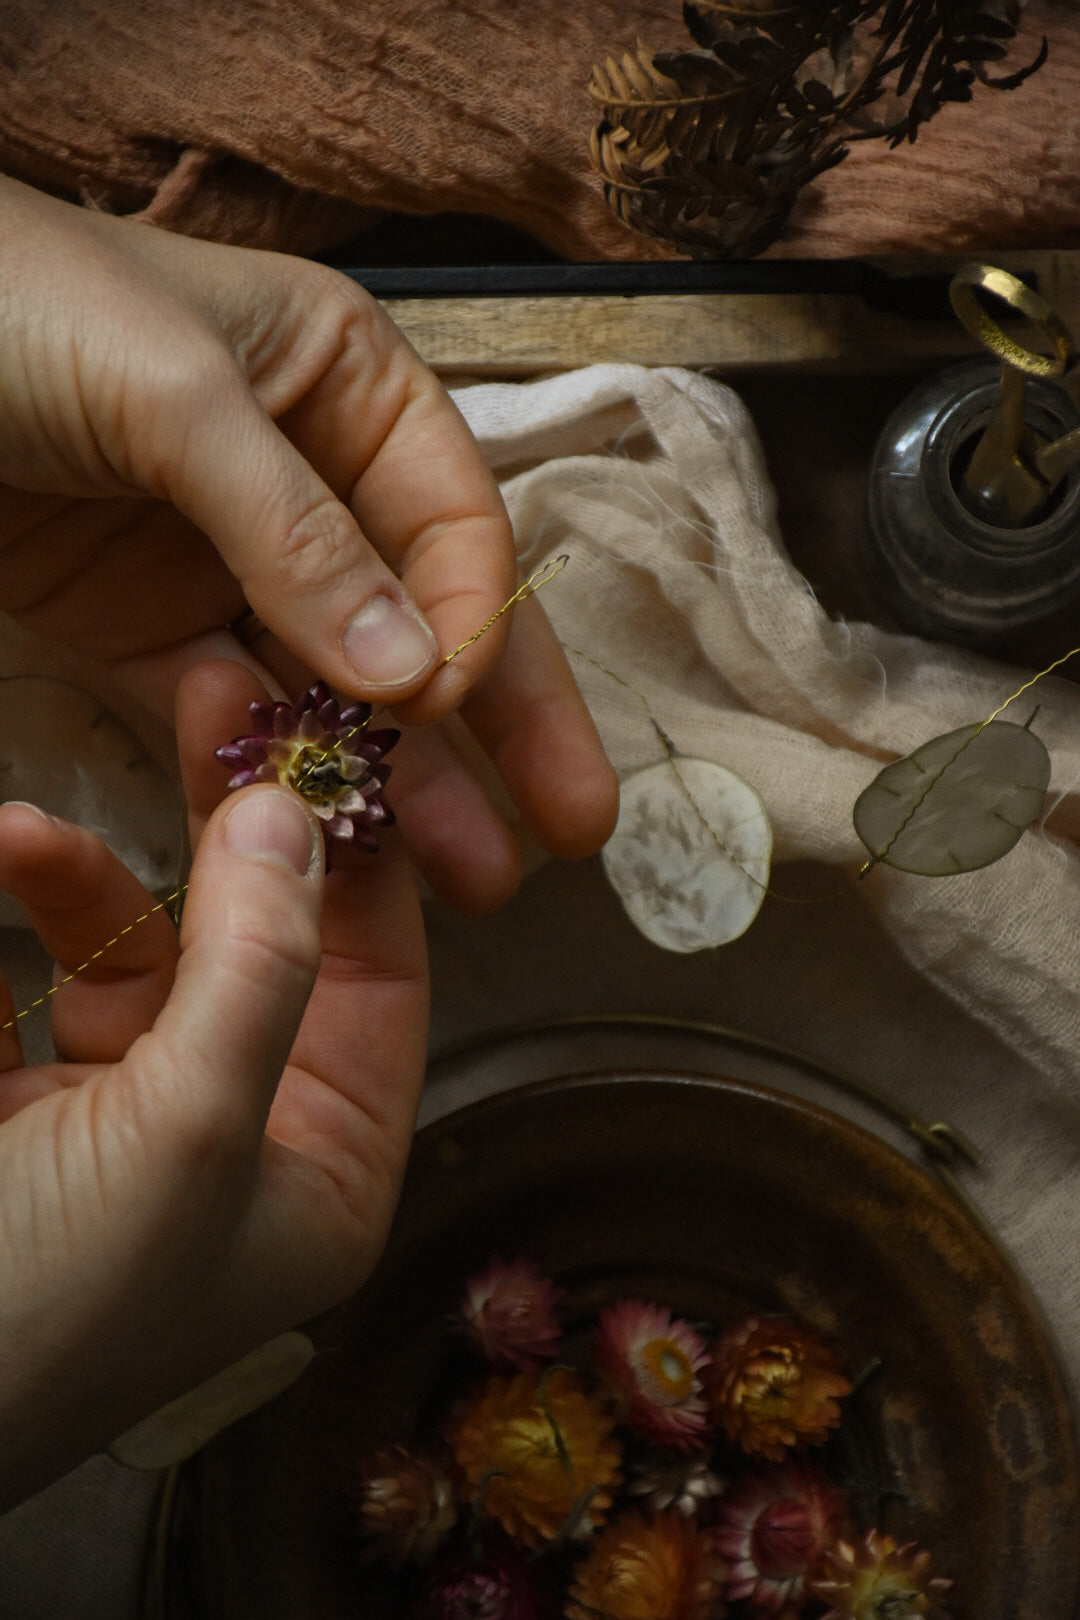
(521, 336)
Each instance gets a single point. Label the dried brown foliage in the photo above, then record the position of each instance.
(709, 148)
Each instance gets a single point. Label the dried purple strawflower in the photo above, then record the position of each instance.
(498, 1586)
(510, 1310)
(775, 1528)
(324, 753)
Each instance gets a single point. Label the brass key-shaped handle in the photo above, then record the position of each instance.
(1012, 471)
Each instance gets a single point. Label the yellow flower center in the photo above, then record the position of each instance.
(879, 1595)
(529, 1440)
(771, 1391)
(666, 1371)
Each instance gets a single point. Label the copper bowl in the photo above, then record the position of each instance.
(715, 1196)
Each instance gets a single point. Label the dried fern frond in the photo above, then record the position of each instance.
(710, 147)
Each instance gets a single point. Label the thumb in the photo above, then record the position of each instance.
(250, 951)
(304, 564)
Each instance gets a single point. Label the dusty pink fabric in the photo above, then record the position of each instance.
(291, 123)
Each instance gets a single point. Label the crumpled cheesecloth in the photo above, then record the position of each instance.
(679, 584)
(293, 123)
(654, 484)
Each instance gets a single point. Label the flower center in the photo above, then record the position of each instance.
(318, 773)
(782, 1541)
(666, 1368)
(898, 1603)
(771, 1392)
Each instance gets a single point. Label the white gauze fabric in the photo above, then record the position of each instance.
(653, 482)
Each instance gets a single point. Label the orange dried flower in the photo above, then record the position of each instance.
(659, 1568)
(774, 1383)
(539, 1448)
(878, 1580)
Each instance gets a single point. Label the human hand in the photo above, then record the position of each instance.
(215, 1157)
(184, 425)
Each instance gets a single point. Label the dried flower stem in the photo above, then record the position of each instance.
(549, 1416)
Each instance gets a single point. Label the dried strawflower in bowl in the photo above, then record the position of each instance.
(511, 1312)
(651, 1362)
(617, 1363)
(773, 1384)
(537, 1452)
(632, 1466)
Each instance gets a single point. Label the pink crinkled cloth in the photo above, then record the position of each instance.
(293, 123)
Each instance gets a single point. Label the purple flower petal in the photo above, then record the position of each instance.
(357, 714)
(262, 715)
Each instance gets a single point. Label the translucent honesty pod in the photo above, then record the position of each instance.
(180, 1429)
(958, 803)
(689, 857)
(62, 750)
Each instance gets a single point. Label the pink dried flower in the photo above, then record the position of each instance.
(499, 1586)
(402, 1503)
(510, 1309)
(775, 1529)
(324, 753)
(651, 1361)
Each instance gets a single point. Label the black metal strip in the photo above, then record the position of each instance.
(924, 296)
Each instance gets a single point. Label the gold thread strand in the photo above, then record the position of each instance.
(536, 580)
(40, 1001)
(876, 859)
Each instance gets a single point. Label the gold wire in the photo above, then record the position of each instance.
(535, 582)
(876, 859)
(90, 960)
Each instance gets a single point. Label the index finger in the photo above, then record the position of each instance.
(385, 435)
(370, 488)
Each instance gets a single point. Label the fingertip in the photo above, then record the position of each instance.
(40, 855)
(25, 821)
(589, 809)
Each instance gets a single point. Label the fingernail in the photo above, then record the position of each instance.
(389, 643)
(272, 826)
(24, 804)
